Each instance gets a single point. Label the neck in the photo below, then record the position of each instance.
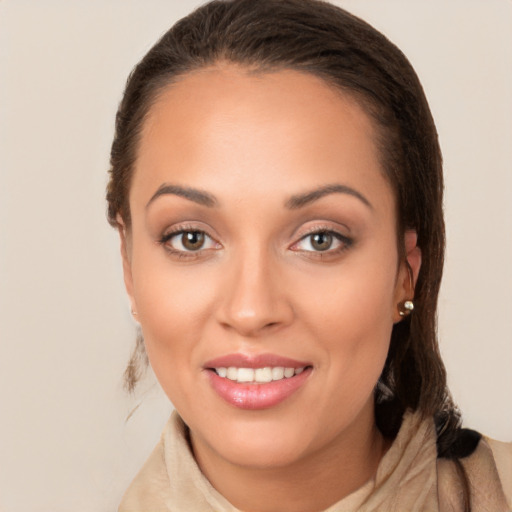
(309, 484)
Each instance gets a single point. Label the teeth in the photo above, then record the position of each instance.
(263, 375)
(245, 375)
(289, 372)
(258, 375)
(277, 373)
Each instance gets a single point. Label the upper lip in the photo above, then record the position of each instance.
(254, 361)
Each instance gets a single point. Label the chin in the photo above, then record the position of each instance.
(261, 441)
(265, 452)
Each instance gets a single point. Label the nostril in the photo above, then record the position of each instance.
(252, 310)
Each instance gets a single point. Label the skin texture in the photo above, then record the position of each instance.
(259, 286)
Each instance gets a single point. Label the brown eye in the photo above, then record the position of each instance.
(321, 241)
(188, 241)
(192, 240)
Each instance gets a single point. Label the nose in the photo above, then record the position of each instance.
(254, 300)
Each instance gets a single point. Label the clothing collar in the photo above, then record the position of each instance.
(405, 478)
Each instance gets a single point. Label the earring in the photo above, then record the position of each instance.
(405, 308)
(134, 313)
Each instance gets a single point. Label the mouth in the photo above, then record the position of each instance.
(256, 382)
(258, 375)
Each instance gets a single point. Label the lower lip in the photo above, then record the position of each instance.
(257, 396)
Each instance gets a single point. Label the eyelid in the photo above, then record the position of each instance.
(346, 241)
(176, 234)
(319, 227)
(180, 229)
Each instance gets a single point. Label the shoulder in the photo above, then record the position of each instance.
(170, 480)
(502, 453)
(489, 472)
(149, 488)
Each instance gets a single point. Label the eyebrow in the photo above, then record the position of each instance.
(295, 202)
(301, 200)
(192, 194)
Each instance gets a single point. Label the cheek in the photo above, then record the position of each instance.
(351, 314)
(355, 297)
(173, 306)
(358, 342)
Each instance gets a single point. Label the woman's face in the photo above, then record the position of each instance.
(263, 245)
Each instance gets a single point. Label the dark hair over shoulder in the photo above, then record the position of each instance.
(319, 38)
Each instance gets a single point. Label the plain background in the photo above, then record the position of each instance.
(65, 326)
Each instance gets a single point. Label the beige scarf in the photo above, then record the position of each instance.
(409, 478)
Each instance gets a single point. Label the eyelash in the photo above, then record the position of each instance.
(346, 242)
(181, 230)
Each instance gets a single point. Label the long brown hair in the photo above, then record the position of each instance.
(319, 38)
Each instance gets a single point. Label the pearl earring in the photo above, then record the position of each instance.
(405, 308)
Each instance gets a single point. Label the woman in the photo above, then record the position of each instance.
(276, 182)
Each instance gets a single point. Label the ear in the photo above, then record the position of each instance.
(412, 255)
(126, 259)
(408, 272)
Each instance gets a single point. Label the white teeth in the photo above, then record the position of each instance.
(258, 375)
(232, 373)
(263, 375)
(277, 373)
(245, 375)
(289, 372)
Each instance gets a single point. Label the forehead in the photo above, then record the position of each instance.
(228, 126)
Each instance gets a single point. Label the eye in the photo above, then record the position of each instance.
(188, 241)
(322, 241)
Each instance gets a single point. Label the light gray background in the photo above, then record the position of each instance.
(65, 326)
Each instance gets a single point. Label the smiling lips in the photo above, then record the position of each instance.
(257, 382)
(258, 375)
